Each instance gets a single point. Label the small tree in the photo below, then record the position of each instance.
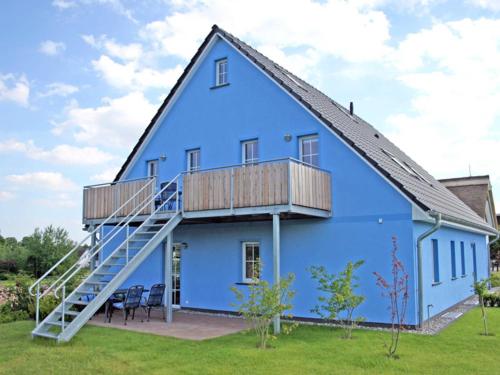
(263, 303)
(481, 289)
(396, 289)
(339, 296)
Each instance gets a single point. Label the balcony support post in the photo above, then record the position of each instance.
(168, 278)
(276, 263)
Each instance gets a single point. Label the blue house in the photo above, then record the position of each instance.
(245, 162)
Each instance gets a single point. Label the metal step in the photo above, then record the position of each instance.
(77, 302)
(48, 335)
(57, 324)
(84, 292)
(105, 273)
(96, 282)
(68, 312)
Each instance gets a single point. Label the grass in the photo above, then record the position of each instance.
(460, 349)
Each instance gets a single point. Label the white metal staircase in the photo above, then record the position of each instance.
(77, 307)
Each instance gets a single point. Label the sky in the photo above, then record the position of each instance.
(81, 79)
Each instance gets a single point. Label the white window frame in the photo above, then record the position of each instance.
(221, 77)
(244, 245)
(189, 166)
(150, 163)
(301, 154)
(253, 159)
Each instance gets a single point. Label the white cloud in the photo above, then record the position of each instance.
(6, 196)
(63, 4)
(106, 175)
(59, 89)
(353, 31)
(51, 48)
(64, 200)
(132, 51)
(116, 123)
(493, 5)
(133, 71)
(15, 89)
(61, 154)
(52, 181)
(134, 77)
(116, 5)
(453, 68)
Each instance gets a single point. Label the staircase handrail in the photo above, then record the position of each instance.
(76, 247)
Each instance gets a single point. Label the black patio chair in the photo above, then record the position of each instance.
(131, 302)
(155, 299)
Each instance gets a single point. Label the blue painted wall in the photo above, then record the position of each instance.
(367, 211)
(449, 292)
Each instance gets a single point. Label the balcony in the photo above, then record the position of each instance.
(281, 186)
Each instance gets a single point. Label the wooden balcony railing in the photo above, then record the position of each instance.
(101, 201)
(281, 182)
(285, 182)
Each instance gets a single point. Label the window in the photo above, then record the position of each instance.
(462, 256)
(250, 151)
(474, 261)
(152, 166)
(193, 160)
(435, 258)
(453, 260)
(221, 72)
(251, 261)
(308, 150)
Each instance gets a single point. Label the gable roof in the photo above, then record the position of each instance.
(411, 179)
(475, 192)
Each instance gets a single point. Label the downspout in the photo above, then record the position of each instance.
(435, 227)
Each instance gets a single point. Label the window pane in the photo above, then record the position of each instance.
(249, 270)
(250, 152)
(314, 146)
(314, 160)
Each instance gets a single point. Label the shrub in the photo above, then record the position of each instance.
(396, 289)
(495, 279)
(263, 303)
(338, 297)
(7, 315)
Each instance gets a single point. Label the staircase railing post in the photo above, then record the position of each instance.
(37, 314)
(127, 235)
(231, 187)
(63, 306)
(177, 196)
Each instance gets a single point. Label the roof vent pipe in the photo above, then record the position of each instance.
(351, 108)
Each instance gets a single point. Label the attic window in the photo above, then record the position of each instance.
(290, 77)
(400, 163)
(221, 72)
(419, 175)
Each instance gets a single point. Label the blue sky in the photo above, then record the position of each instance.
(80, 80)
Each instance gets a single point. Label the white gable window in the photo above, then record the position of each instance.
(308, 150)
(193, 160)
(152, 166)
(250, 151)
(251, 261)
(221, 72)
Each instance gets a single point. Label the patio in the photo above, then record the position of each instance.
(186, 325)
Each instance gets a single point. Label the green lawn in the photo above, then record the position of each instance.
(308, 350)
